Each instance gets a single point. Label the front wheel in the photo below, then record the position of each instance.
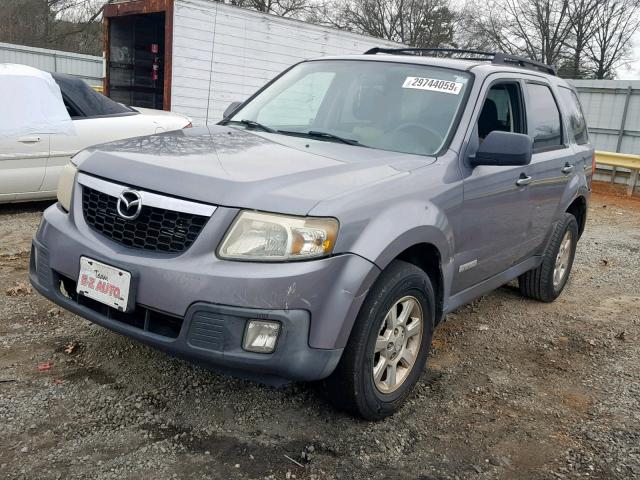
(546, 282)
(388, 346)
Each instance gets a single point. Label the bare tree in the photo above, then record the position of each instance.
(72, 25)
(418, 23)
(283, 8)
(538, 29)
(22, 22)
(616, 21)
(582, 29)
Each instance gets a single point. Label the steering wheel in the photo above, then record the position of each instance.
(420, 133)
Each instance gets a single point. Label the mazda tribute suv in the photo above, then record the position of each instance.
(326, 225)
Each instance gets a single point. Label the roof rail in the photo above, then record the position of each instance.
(477, 55)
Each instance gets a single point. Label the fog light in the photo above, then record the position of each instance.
(260, 336)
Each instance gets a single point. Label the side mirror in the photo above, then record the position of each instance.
(504, 149)
(231, 109)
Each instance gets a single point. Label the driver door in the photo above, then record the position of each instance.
(496, 209)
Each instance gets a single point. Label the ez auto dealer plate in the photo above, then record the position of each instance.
(104, 283)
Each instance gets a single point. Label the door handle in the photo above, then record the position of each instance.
(567, 169)
(523, 180)
(29, 139)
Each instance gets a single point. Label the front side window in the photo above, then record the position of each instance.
(577, 122)
(390, 106)
(544, 117)
(502, 110)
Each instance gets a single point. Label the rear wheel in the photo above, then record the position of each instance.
(388, 346)
(546, 282)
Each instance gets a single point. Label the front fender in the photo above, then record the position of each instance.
(398, 227)
(387, 244)
(384, 221)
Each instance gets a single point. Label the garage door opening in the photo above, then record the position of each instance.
(136, 63)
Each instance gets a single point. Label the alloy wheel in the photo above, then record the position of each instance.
(398, 344)
(562, 259)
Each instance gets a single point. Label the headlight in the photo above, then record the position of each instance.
(269, 237)
(65, 185)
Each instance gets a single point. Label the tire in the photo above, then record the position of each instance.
(352, 386)
(543, 283)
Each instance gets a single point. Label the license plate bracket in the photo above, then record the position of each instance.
(104, 283)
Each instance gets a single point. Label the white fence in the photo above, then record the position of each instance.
(87, 67)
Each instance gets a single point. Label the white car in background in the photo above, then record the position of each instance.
(33, 153)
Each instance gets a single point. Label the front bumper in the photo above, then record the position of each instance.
(316, 302)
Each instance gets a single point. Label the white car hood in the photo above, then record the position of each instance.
(166, 120)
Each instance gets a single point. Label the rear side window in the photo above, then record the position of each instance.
(544, 118)
(83, 102)
(577, 122)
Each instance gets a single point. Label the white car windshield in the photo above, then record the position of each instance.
(390, 106)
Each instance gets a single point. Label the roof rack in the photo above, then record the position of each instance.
(477, 55)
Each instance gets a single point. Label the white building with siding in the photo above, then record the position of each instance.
(217, 53)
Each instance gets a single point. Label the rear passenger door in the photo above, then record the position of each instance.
(576, 129)
(553, 163)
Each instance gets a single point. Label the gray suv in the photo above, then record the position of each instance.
(327, 225)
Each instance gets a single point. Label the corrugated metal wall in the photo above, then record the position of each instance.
(612, 108)
(88, 67)
(222, 54)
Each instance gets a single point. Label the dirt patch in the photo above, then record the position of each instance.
(514, 389)
(616, 193)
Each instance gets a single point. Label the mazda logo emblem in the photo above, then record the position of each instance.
(129, 204)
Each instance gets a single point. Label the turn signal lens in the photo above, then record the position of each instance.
(65, 185)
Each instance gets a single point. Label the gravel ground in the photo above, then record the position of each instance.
(514, 389)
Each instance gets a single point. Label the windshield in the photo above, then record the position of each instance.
(390, 106)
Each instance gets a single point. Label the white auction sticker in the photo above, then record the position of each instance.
(433, 84)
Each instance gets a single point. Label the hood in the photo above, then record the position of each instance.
(236, 168)
(166, 120)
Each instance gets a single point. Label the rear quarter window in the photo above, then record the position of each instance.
(577, 123)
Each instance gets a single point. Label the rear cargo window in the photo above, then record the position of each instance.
(544, 118)
(577, 122)
(82, 101)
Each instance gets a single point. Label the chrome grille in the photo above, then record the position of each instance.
(155, 229)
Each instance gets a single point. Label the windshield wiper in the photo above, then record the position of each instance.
(326, 135)
(331, 136)
(252, 124)
(311, 133)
